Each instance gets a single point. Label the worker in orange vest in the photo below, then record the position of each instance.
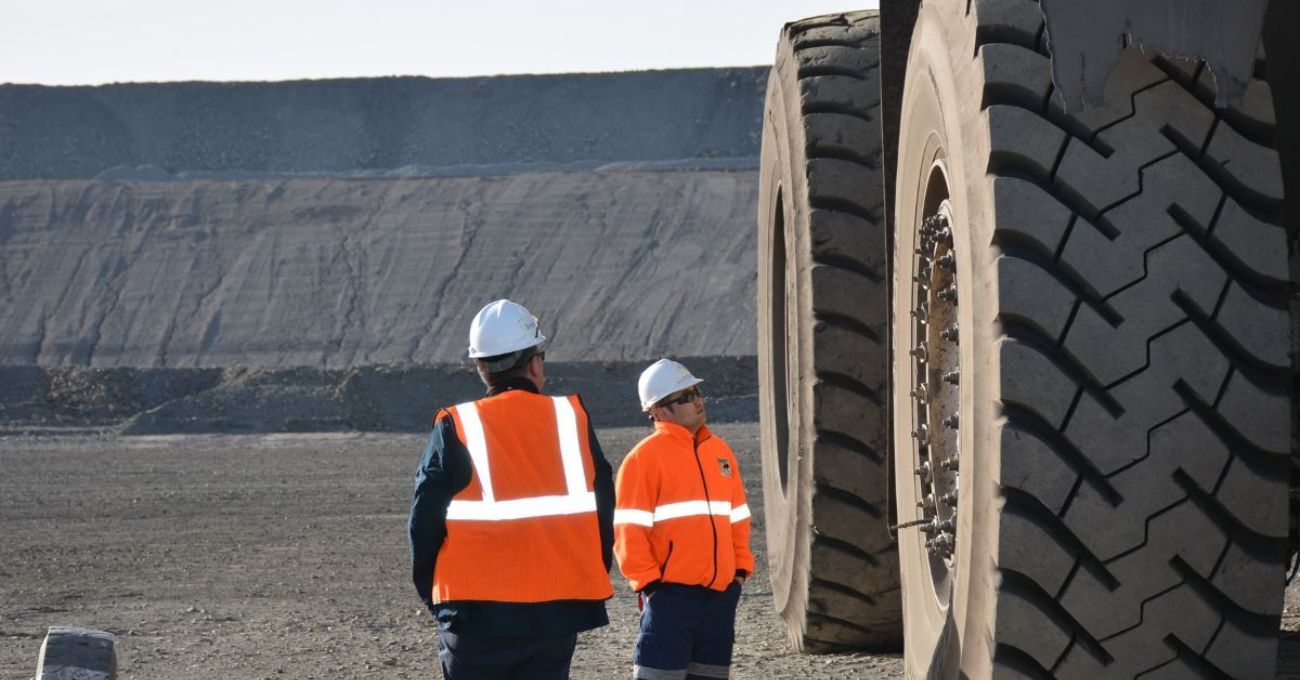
(681, 530)
(511, 525)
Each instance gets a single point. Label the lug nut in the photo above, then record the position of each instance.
(947, 261)
(950, 333)
(939, 544)
(953, 377)
(949, 294)
(927, 503)
(920, 393)
(919, 352)
(949, 499)
(924, 471)
(950, 422)
(922, 433)
(949, 464)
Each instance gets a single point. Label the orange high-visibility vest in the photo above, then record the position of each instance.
(525, 527)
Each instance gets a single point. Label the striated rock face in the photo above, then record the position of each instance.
(619, 264)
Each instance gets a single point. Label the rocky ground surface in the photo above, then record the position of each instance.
(284, 555)
(269, 556)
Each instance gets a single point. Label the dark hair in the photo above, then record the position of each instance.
(518, 369)
(662, 403)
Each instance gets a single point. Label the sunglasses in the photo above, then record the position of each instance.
(686, 398)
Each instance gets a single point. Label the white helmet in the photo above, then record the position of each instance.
(503, 327)
(662, 379)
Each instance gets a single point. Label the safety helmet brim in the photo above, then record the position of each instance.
(533, 342)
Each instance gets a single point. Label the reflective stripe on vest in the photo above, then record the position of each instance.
(663, 513)
(577, 500)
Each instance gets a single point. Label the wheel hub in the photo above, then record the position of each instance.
(936, 385)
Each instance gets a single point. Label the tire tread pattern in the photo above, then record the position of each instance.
(1144, 528)
(853, 598)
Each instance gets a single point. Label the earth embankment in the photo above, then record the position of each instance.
(251, 257)
(378, 124)
(619, 265)
(372, 398)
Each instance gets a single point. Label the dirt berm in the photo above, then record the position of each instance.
(322, 246)
(383, 398)
(377, 124)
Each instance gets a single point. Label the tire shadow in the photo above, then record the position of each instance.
(1288, 655)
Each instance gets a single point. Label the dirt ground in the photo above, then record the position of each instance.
(269, 556)
(284, 556)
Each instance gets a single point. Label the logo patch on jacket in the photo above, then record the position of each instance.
(726, 466)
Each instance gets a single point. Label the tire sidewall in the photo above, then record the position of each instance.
(788, 511)
(941, 127)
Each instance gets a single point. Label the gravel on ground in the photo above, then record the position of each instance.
(279, 556)
(284, 556)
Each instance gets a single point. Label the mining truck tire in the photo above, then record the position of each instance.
(77, 654)
(1092, 423)
(823, 362)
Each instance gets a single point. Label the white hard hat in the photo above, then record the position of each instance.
(662, 379)
(503, 327)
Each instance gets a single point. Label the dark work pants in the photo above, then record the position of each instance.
(516, 657)
(686, 633)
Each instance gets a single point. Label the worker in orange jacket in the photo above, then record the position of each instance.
(681, 532)
(511, 524)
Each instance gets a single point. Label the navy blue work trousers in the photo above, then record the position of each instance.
(500, 657)
(686, 633)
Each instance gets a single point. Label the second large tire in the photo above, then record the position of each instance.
(823, 359)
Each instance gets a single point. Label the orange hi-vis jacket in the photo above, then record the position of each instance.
(525, 528)
(680, 514)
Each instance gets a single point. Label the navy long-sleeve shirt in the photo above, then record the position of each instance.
(444, 471)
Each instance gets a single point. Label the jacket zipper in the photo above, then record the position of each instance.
(708, 503)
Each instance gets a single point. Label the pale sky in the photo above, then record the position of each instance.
(90, 42)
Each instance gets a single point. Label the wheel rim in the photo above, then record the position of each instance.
(935, 386)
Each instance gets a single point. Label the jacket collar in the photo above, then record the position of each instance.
(679, 432)
(512, 384)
